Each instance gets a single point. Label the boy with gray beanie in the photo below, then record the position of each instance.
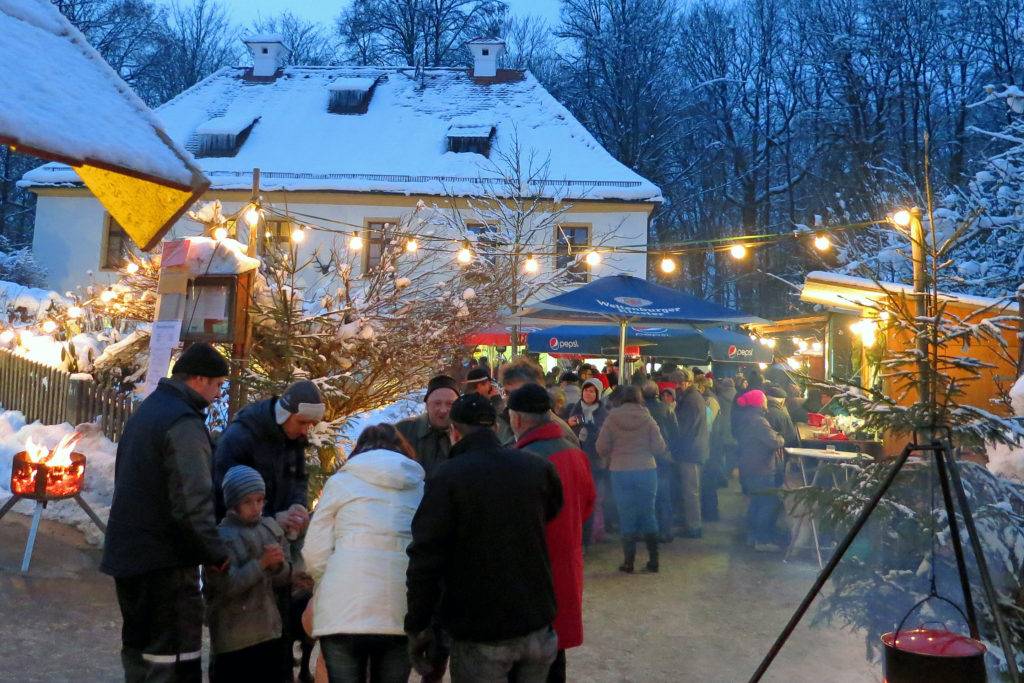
(241, 608)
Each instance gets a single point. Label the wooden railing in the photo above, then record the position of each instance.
(54, 396)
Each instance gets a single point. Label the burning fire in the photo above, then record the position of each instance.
(58, 457)
(43, 474)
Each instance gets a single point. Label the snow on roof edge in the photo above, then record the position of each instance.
(826, 277)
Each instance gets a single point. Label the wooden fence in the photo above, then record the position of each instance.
(54, 396)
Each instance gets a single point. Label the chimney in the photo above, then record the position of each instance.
(268, 53)
(485, 56)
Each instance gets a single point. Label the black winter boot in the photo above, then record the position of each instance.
(628, 553)
(652, 552)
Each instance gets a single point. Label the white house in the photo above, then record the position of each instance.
(355, 147)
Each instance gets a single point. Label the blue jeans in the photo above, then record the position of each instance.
(525, 659)
(348, 655)
(635, 492)
(765, 507)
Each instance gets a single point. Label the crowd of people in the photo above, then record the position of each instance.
(450, 541)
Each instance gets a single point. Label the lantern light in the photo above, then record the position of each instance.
(7, 336)
(74, 312)
(49, 327)
(593, 259)
(667, 265)
(901, 218)
(738, 251)
(268, 234)
(465, 255)
(793, 363)
(531, 265)
(411, 244)
(816, 347)
(299, 234)
(822, 243)
(801, 344)
(252, 215)
(107, 296)
(220, 233)
(770, 343)
(132, 268)
(355, 243)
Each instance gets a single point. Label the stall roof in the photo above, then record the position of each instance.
(855, 293)
(60, 100)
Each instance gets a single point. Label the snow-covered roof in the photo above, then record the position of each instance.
(263, 38)
(58, 96)
(854, 293)
(398, 146)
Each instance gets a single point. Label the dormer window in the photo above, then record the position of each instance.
(224, 135)
(351, 95)
(474, 138)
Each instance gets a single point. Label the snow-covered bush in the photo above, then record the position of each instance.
(18, 265)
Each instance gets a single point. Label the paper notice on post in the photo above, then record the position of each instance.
(163, 339)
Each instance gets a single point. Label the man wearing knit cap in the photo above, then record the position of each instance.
(530, 414)
(271, 437)
(162, 524)
(428, 433)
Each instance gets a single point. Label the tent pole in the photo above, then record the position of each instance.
(623, 372)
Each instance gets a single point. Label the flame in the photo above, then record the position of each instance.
(58, 457)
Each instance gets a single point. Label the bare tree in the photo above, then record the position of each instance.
(199, 40)
(309, 42)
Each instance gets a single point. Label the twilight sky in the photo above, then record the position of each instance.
(324, 11)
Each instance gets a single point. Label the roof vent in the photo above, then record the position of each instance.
(268, 53)
(475, 138)
(351, 95)
(223, 136)
(485, 56)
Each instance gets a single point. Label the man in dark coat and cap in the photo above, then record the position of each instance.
(427, 433)
(162, 524)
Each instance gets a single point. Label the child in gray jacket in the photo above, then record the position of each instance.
(245, 623)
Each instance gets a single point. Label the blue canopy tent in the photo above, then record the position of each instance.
(699, 345)
(626, 300)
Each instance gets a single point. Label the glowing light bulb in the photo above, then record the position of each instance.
(107, 296)
(220, 233)
(822, 243)
(252, 216)
(794, 363)
(7, 336)
(464, 255)
(901, 218)
(355, 243)
(299, 234)
(816, 347)
(771, 343)
(531, 265)
(132, 268)
(763, 366)
(668, 265)
(593, 259)
(74, 312)
(412, 245)
(25, 336)
(49, 327)
(268, 234)
(738, 251)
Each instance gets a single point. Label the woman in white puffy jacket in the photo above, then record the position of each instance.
(355, 550)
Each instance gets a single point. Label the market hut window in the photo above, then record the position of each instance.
(570, 242)
(116, 244)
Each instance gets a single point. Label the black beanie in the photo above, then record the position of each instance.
(441, 382)
(473, 409)
(530, 398)
(202, 360)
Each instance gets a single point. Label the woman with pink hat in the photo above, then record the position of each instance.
(758, 444)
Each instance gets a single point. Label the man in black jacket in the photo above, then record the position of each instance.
(693, 447)
(271, 437)
(478, 562)
(162, 525)
(667, 469)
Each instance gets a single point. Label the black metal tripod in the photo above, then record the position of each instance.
(949, 479)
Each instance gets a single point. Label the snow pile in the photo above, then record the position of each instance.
(207, 256)
(1008, 461)
(98, 488)
(29, 302)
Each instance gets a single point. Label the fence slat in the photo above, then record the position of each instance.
(50, 395)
